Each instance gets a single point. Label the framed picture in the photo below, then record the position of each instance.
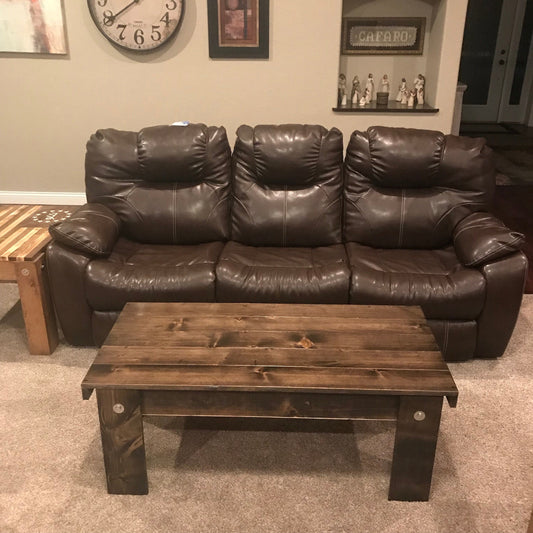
(238, 28)
(398, 35)
(32, 26)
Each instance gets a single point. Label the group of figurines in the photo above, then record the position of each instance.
(362, 97)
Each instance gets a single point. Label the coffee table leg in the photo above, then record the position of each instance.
(122, 441)
(414, 448)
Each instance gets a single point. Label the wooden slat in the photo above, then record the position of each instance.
(324, 357)
(273, 323)
(180, 309)
(11, 242)
(275, 339)
(40, 240)
(288, 379)
(22, 214)
(261, 404)
(24, 242)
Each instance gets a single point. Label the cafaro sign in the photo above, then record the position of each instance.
(382, 35)
(399, 35)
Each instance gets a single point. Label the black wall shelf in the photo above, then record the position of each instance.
(392, 107)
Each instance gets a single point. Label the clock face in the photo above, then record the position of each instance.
(139, 25)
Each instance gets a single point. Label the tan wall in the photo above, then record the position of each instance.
(50, 106)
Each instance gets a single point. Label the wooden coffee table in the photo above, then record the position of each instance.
(23, 238)
(276, 361)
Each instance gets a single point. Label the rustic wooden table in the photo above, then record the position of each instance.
(23, 238)
(273, 361)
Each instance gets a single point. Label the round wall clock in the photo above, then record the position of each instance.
(137, 25)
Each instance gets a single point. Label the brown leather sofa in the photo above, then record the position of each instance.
(400, 219)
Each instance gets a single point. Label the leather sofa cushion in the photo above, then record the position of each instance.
(433, 279)
(409, 188)
(163, 181)
(152, 273)
(282, 275)
(287, 186)
(173, 153)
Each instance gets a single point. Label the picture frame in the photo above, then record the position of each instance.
(238, 29)
(381, 35)
(33, 27)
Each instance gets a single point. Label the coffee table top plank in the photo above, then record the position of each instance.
(280, 379)
(204, 309)
(341, 349)
(325, 357)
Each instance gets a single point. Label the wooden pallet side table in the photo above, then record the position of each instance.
(23, 238)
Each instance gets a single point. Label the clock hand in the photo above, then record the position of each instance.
(111, 18)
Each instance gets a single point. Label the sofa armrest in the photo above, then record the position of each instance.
(93, 229)
(480, 238)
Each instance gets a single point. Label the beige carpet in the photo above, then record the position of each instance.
(52, 477)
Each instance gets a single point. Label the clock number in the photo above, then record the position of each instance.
(138, 36)
(121, 27)
(165, 18)
(108, 18)
(173, 4)
(156, 35)
(102, 3)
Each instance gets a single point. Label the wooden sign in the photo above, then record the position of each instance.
(397, 35)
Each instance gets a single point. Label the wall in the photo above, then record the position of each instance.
(51, 105)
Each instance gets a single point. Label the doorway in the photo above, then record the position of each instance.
(497, 61)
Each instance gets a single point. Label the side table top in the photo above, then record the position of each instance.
(272, 347)
(24, 229)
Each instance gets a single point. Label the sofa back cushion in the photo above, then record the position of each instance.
(168, 184)
(287, 186)
(407, 188)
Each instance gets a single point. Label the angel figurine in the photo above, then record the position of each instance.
(370, 88)
(385, 84)
(420, 82)
(402, 89)
(356, 90)
(341, 91)
(365, 98)
(411, 99)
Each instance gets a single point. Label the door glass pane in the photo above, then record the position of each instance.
(479, 42)
(522, 57)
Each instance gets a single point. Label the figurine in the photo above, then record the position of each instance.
(356, 90)
(402, 89)
(341, 92)
(365, 98)
(420, 82)
(385, 84)
(370, 88)
(405, 96)
(412, 96)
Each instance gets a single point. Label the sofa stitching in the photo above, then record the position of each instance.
(402, 219)
(174, 213)
(84, 245)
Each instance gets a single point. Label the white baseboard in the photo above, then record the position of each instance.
(42, 198)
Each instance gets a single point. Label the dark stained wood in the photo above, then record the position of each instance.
(414, 449)
(277, 379)
(329, 357)
(275, 361)
(123, 441)
(166, 309)
(261, 404)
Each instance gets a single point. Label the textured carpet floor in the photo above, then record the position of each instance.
(259, 481)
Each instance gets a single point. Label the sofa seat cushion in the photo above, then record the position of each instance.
(137, 272)
(283, 274)
(433, 279)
